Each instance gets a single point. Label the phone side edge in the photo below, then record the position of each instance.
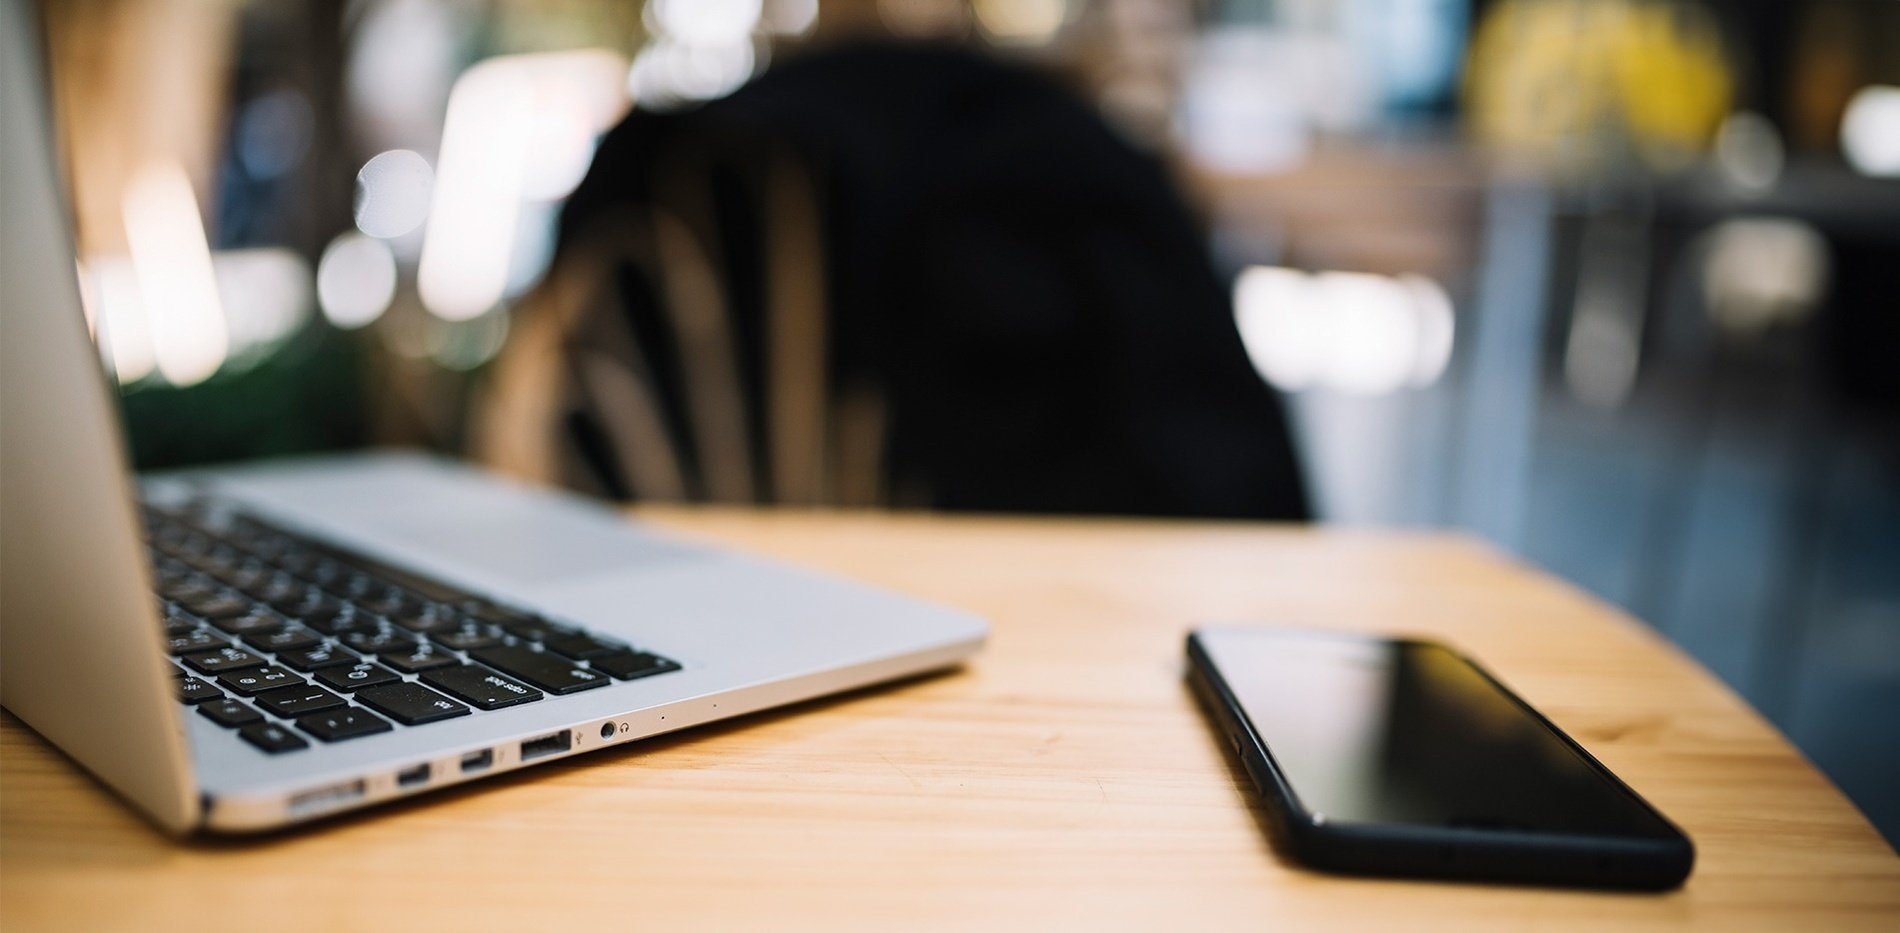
(1290, 821)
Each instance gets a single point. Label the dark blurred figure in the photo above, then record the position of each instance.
(899, 275)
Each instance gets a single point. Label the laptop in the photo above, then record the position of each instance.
(246, 648)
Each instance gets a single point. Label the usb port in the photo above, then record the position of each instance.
(413, 776)
(478, 761)
(553, 744)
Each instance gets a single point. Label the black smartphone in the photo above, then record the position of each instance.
(1401, 757)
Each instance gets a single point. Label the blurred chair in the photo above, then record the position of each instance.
(889, 275)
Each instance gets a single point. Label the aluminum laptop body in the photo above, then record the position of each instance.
(84, 660)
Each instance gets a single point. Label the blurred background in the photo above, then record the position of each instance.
(1614, 284)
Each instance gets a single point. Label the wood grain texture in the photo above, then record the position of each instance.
(1063, 780)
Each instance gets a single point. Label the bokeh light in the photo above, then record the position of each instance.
(519, 127)
(667, 74)
(790, 17)
(176, 285)
(1749, 150)
(266, 295)
(1350, 332)
(1870, 131)
(1021, 21)
(356, 280)
(704, 22)
(126, 336)
(465, 345)
(392, 193)
(1758, 272)
(924, 18)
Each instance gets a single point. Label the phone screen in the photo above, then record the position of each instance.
(1369, 730)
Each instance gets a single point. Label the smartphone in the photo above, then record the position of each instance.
(1399, 757)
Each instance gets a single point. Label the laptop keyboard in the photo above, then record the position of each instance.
(284, 639)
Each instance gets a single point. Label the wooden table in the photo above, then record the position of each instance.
(1063, 780)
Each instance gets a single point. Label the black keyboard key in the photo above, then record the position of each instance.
(193, 690)
(247, 577)
(581, 646)
(330, 615)
(482, 687)
(179, 625)
(426, 621)
(163, 534)
(167, 574)
(191, 543)
(196, 640)
(357, 676)
(327, 574)
(374, 595)
(287, 639)
(340, 724)
(467, 636)
(168, 567)
(542, 670)
(220, 563)
(317, 657)
(268, 545)
(272, 738)
(294, 600)
(324, 572)
(349, 621)
(229, 713)
(628, 665)
(223, 659)
(497, 615)
(377, 641)
(353, 585)
(219, 605)
(276, 587)
(303, 564)
(419, 658)
(259, 621)
(393, 603)
(222, 559)
(170, 543)
(534, 628)
(190, 587)
(301, 700)
(410, 704)
(258, 680)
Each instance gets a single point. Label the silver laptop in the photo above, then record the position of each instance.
(255, 647)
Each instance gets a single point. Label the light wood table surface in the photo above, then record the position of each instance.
(1062, 780)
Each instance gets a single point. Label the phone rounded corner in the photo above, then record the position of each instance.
(1193, 642)
(1320, 845)
(1675, 862)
